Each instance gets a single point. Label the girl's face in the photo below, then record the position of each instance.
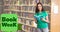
(39, 7)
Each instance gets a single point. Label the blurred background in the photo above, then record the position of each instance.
(25, 10)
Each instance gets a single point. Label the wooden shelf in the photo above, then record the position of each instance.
(23, 4)
(26, 18)
(28, 25)
(27, 11)
(19, 10)
(6, 4)
(46, 5)
(33, 5)
(6, 9)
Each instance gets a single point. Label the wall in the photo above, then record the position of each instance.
(55, 18)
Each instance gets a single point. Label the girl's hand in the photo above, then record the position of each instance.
(46, 20)
(43, 19)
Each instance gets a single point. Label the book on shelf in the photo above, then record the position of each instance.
(30, 8)
(19, 8)
(33, 30)
(6, 2)
(25, 27)
(19, 13)
(27, 2)
(12, 7)
(33, 8)
(42, 1)
(36, 1)
(18, 2)
(36, 30)
(7, 12)
(24, 21)
(47, 1)
(30, 15)
(30, 22)
(19, 20)
(22, 8)
(13, 12)
(6, 7)
(23, 2)
(28, 29)
(31, 2)
(47, 8)
(24, 14)
(25, 8)
(27, 22)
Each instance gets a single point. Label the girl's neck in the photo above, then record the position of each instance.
(40, 11)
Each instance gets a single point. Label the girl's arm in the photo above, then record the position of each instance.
(46, 19)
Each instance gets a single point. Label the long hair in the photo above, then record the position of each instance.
(37, 10)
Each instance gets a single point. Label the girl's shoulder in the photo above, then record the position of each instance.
(45, 12)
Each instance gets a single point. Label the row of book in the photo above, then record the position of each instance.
(23, 5)
(22, 8)
(21, 14)
(1, 6)
(29, 29)
(25, 21)
(47, 8)
(8, 1)
(27, 2)
(20, 31)
(26, 8)
(44, 1)
(26, 14)
(48, 2)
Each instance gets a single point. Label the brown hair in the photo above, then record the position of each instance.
(37, 10)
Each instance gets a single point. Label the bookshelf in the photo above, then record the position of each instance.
(25, 10)
(1, 6)
(1, 10)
